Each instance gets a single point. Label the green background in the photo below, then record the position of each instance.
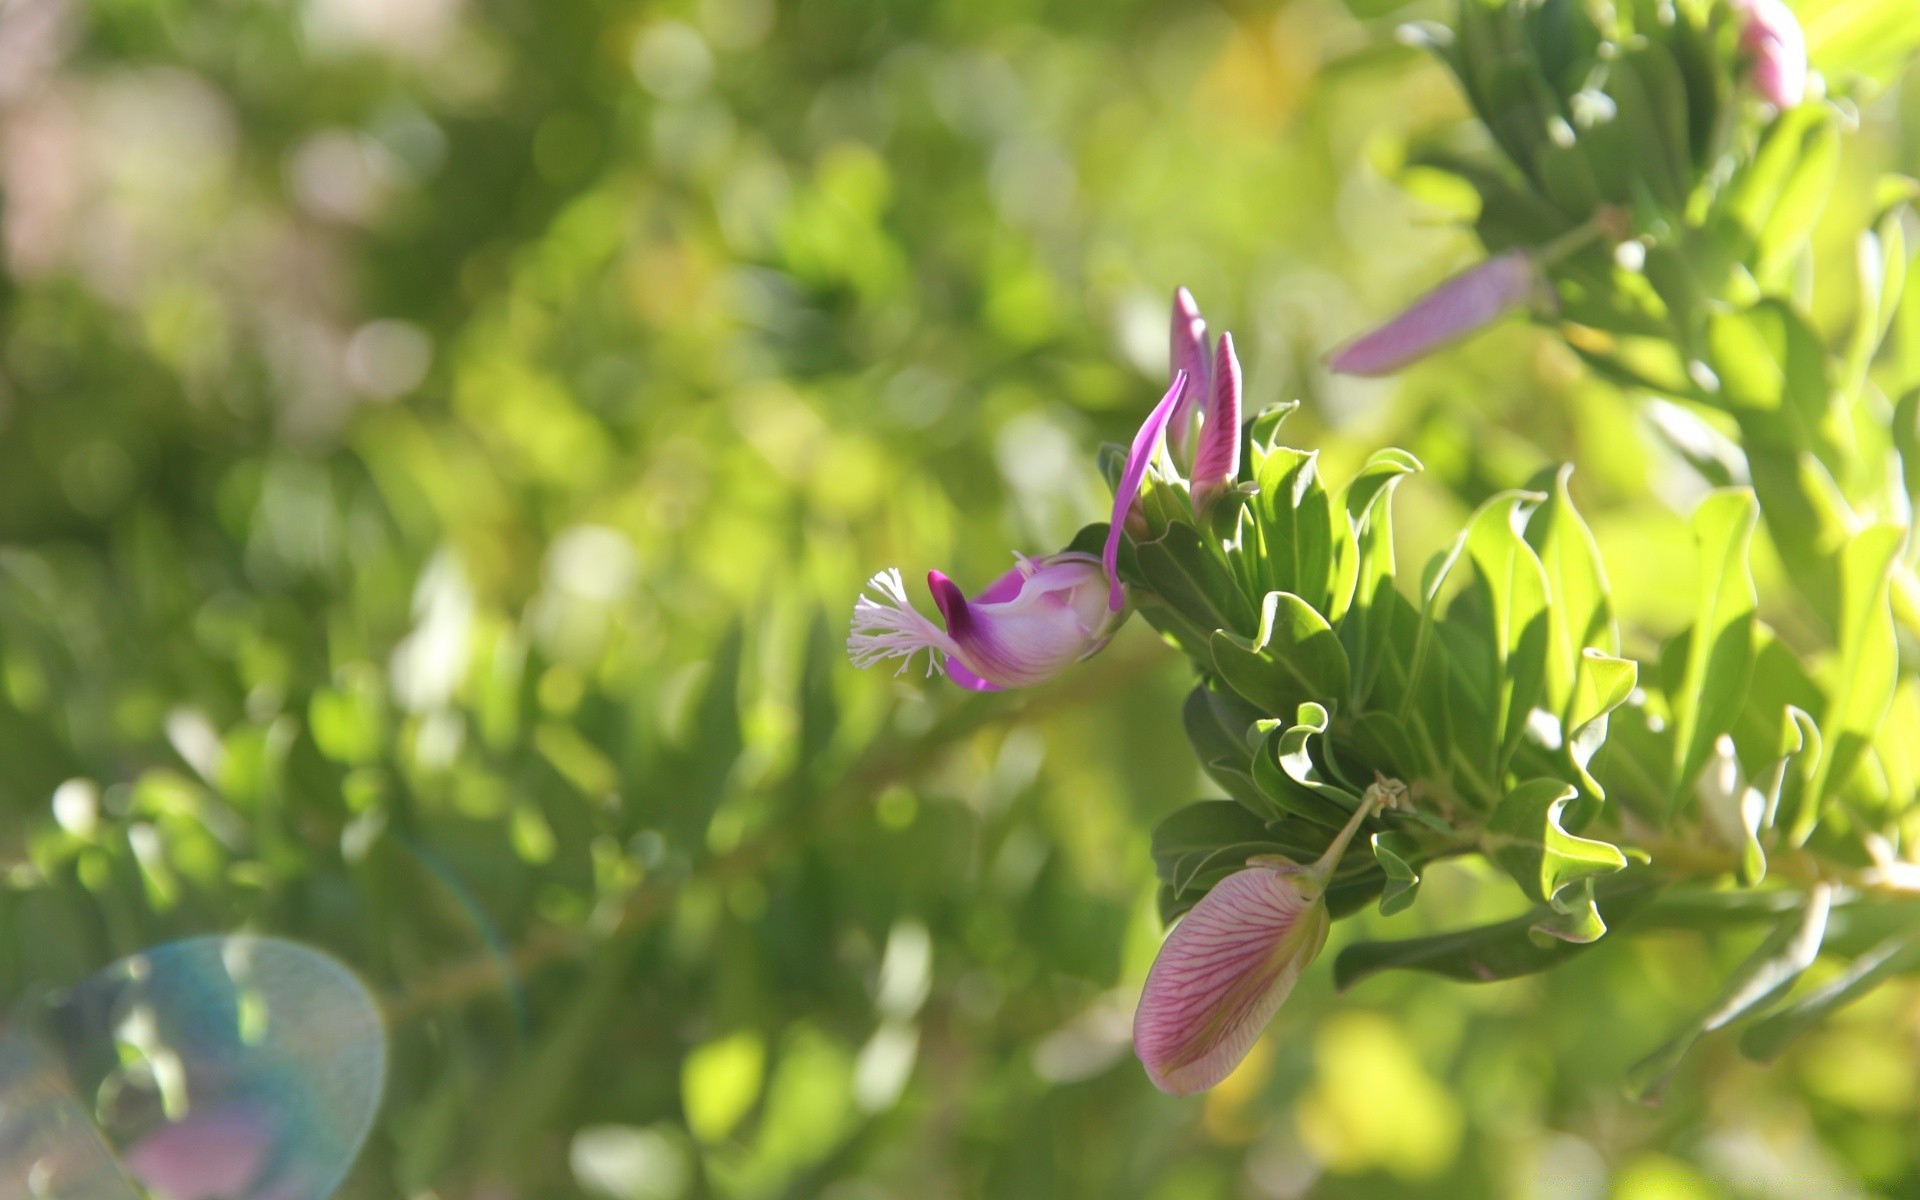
(441, 442)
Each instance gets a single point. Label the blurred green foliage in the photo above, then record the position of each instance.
(439, 443)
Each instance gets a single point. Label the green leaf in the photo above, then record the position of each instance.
(1764, 977)
(1203, 826)
(1397, 854)
(1605, 684)
(1266, 423)
(1514, 590)
(1301, 788)
(1505, 950)
(1296, 524)
(1773, 372)
(1860, 681)
(1719, 658)
(1770, 1035)
(1881, 265)
(1190, 579)
(1580, 615)
(1367, 628)
(1216, 724)
(1778, 196)
(1652, 102)
(1294, 658)
(1526, 838)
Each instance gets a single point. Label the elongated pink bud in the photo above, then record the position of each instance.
(1224, 971)
(1467, 303)
(1772, 39)
(1189, 353)
(1216, 464)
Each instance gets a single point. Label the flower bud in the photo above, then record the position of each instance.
(1224, 971)
(1033, 622)
(1203, 433)
(1777, 50)
(1464, 304)
(1234, 958)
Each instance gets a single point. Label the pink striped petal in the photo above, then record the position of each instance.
(1467, 303)
(1146, 444)
(1188, 353)
(1773, 39)
(1216, 464)
(1223, 972)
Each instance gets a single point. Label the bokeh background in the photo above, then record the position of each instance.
(441, 441)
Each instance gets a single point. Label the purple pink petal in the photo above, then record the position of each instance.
(1468, 302)
(1223, 972)
(1146, 444)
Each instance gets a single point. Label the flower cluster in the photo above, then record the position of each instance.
(1050, 612)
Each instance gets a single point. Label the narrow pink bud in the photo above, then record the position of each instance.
(1224, 971)
(1216, 464)
(1467, 303)
(1189, 354)
(1772, 39)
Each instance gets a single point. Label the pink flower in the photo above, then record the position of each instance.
(1467, 303)
(1033, 622)
(1772, 40)
(1230, 963)
(1204, 430)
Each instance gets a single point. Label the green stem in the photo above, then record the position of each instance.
(1323, 868)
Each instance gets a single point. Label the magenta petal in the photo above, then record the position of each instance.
(958, 672)
(1469, 301)
(1223, 972)
(1146, 444)
(1217, 462)
(1188, 352)
(951, 601)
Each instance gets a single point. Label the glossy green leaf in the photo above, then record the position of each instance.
(1526, 838)
(1579, 614)
(1719, 649)
(1296, 525)
(1860, 681)
(1193, 581)
(1514, 589)
(1294, 657)
(1397, 853)
(1367, 628)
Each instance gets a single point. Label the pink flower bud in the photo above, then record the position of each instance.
(1771, 38)
(1224, 971)
(1209, 402)
(1467, 303)
(1234, 958)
